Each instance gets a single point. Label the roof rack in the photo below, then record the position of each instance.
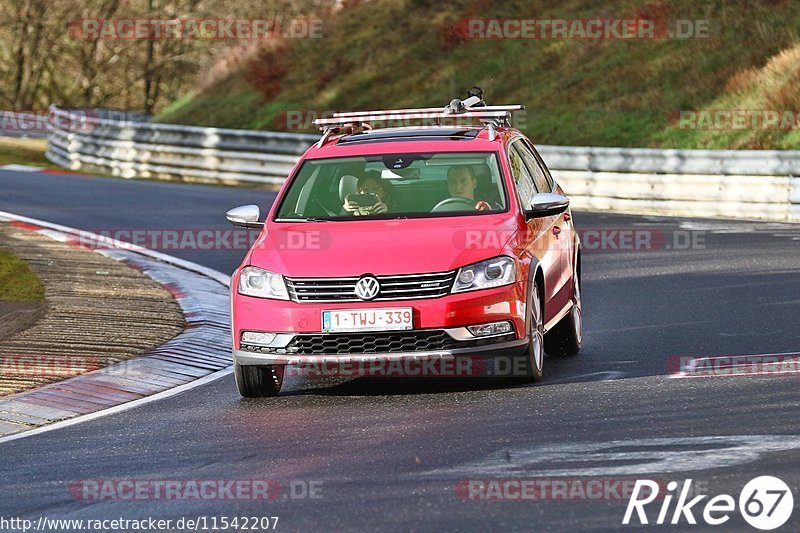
(433, 110)
(473, 107)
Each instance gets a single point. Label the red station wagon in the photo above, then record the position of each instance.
(409, 244)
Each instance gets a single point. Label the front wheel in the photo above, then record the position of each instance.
(534, 352)
(567, 336)
(258, 381)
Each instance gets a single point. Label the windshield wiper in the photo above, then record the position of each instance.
(340, 219)
(322, 219)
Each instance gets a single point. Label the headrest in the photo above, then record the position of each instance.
(348, 184)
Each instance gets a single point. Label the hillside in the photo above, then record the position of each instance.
(610, 92)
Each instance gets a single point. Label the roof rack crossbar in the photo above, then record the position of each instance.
(343, 114)
(439, 115)
(439, 110)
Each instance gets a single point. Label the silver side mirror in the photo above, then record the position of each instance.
(545, 204)
(245, 216)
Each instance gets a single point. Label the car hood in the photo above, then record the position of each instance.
(380, 247)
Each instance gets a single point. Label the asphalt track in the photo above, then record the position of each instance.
(389, 453)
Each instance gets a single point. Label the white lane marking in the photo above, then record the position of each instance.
(88, 236)
(624, 457)
(21, 168)
(188, 265)
(606, 376)
(119, 408)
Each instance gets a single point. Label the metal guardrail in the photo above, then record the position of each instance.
(760, 184)
(672, 161)
(150, 150)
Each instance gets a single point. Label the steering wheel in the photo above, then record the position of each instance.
(328, 211)
(454, 204)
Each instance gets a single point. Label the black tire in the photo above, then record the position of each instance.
(258, 381)
(567, 336)
(534, 351)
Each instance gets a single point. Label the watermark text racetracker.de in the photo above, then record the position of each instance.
(46, 366)
(257, 489)
(595, 239)
(303, 119)
(735, 119)
(762, 365)
(633, 28)
(42, 122)
(195, 28)
(461, 366)
(546, 489)
(197, 239)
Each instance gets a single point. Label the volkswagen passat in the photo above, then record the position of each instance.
(409, 243)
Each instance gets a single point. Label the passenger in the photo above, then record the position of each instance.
(370, 183)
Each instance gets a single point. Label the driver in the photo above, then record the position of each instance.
(462, 182)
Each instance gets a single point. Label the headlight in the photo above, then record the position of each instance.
(494, 272)
(254, 281)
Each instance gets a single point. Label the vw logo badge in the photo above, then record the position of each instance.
(367, 288)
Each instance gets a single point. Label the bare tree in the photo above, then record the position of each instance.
(42, 61)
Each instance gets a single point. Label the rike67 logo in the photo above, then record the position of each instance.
(765, 503)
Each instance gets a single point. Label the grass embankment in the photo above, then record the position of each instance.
(23, 152)
(390, 53)
(17, 282)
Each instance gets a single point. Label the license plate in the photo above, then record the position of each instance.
(368, 319)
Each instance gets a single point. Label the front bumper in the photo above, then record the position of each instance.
(452, 311)
(505, 347)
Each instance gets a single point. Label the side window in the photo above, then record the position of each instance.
(541, 163)
(539, 178)
(522, 177)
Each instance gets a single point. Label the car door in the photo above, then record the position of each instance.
(562, 229)
(541, 241)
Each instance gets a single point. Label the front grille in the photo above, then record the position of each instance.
(411, 341)
(405, 287)
(367, 343)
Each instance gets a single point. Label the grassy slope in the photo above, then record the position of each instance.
(23, 151)
(17, 282)
(393, 53)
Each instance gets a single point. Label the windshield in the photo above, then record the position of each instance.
(395, 186)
